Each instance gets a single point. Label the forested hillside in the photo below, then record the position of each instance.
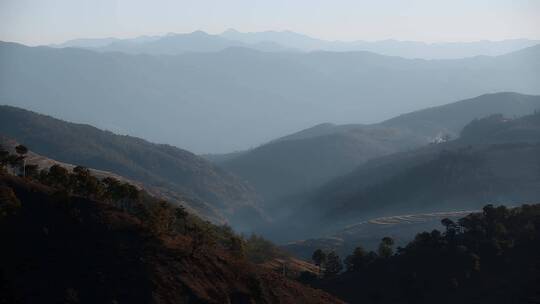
(105, 241)
(486, 257)
(161, 166)
(302, 161)
(495, 160)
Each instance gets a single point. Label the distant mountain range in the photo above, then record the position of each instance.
(239, 97)
(274, 41)
(302, 161)
(170, 44)
(309, 177)
(173, 173)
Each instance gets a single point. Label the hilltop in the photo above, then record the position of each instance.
(210, 188)
(300, 162)
(494, 160)
(218, 102)
(103, 241)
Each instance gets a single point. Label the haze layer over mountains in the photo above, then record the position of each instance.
(199, 41)
(334, 175)
(200, 164)
(221, 93)
(229, 92)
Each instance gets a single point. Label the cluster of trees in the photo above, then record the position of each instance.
(16, 161)
(488, 255)
(260, 250)
(9, 203)
(160, 217)
(330, 264)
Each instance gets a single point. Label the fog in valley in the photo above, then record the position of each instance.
(207, 152)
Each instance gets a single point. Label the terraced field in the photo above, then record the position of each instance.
(401, 228)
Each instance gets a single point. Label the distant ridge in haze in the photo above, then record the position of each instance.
(216, 102)
(155, 165)
(279, 41)
(307, 159)
(169, 44)
(495, 160)
(390, 47)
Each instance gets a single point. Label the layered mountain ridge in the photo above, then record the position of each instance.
(230, 98)
(158, 166)
(495, 160)
(303, 161)
(279, 41)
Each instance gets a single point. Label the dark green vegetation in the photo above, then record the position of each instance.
(286, 167)
(495, 160)
(159, 166)
(401, 228)
(104, 241)
(286, 171)
(229, 100)
(487, 257)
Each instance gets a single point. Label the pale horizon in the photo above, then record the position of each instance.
(56, 21)
(161, 34)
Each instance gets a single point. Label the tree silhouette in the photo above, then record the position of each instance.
(9, 203)
(319, 258)
(182, 215)
(333, 265)
(358, 260)
(84, 183)
(4, 159)
(58, 176)
(21, 151)
(237, 246)
(450, 226)
(385, 247)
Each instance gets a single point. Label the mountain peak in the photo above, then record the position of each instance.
(200, 33)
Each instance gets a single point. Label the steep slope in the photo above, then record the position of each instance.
(196, 206)
(231, 98)
(155, 165)
(494, 160)
(304, 160)
(451, 118)
(288, 167)
(96, 253)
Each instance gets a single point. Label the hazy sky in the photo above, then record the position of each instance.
(50, 21)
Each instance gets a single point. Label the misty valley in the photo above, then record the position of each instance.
(269, 167)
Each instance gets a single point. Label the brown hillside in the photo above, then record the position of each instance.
(66, 249)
